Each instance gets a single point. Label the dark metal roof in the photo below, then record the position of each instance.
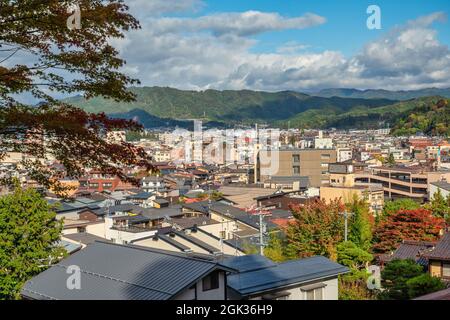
(284, 274)
(228, 211)
(249, 263)
(119, 272)
(170, 211)
(140, 196)
(83, 237)
(442, 184)
(439, 295)
(442, 249)
(414, 250)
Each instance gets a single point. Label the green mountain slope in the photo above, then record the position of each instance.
(360, 117)
(229, 106)
(383, 94)
(431, 118)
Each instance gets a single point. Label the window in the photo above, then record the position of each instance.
(211, 281)
(325, 156)
(315, 294)
(446, 270)
(296, 158)
(296, 169)
(324, 165)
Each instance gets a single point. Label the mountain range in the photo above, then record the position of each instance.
(340, 108)
(383, 94)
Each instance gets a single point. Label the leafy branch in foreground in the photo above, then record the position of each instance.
(40, 56)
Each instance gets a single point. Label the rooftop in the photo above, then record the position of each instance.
(255, 281)
(121, 272)
(442, 184)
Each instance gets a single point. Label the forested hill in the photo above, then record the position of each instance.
(225, 106)
(384, 94)
(429, 118)
(157, 107)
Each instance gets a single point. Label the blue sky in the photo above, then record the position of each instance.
(301, 45)
(345, 29)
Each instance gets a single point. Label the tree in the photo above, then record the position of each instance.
(56, 59)
(275, 249)
(316, 230)
(392, 207)
(215, 195)
(423, 284)
(353, 286)
(391, 160)
(439, 205)
(417, 224)
(394, 278)
(28, 235)
(350, 255)
(361, 224)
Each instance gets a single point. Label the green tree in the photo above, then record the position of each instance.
(394, 278)
(391, 160)
(28, 235)
(275, 249)
(439, 205)
(392, 207)
(423, 284)
(215, 195)
(361, 224)
(352, 256)
(353, 286)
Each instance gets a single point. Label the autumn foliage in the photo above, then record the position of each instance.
(419, 225)
(42, 58)
(316, 230)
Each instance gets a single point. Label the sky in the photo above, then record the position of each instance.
(303, 45)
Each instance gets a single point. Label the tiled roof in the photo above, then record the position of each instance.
(442, 249)
(414, 250)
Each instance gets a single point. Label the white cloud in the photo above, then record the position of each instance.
(242, 24)
(216, 52)
(146, 8)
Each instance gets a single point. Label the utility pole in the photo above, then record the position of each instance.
(346, 214)
(262, 230)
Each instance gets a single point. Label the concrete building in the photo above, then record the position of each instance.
(311, 163)
(342, 186)
(404, 182)
(442, 186)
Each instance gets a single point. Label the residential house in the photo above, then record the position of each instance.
(122, 272)
(439, 258)
(258, 278)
